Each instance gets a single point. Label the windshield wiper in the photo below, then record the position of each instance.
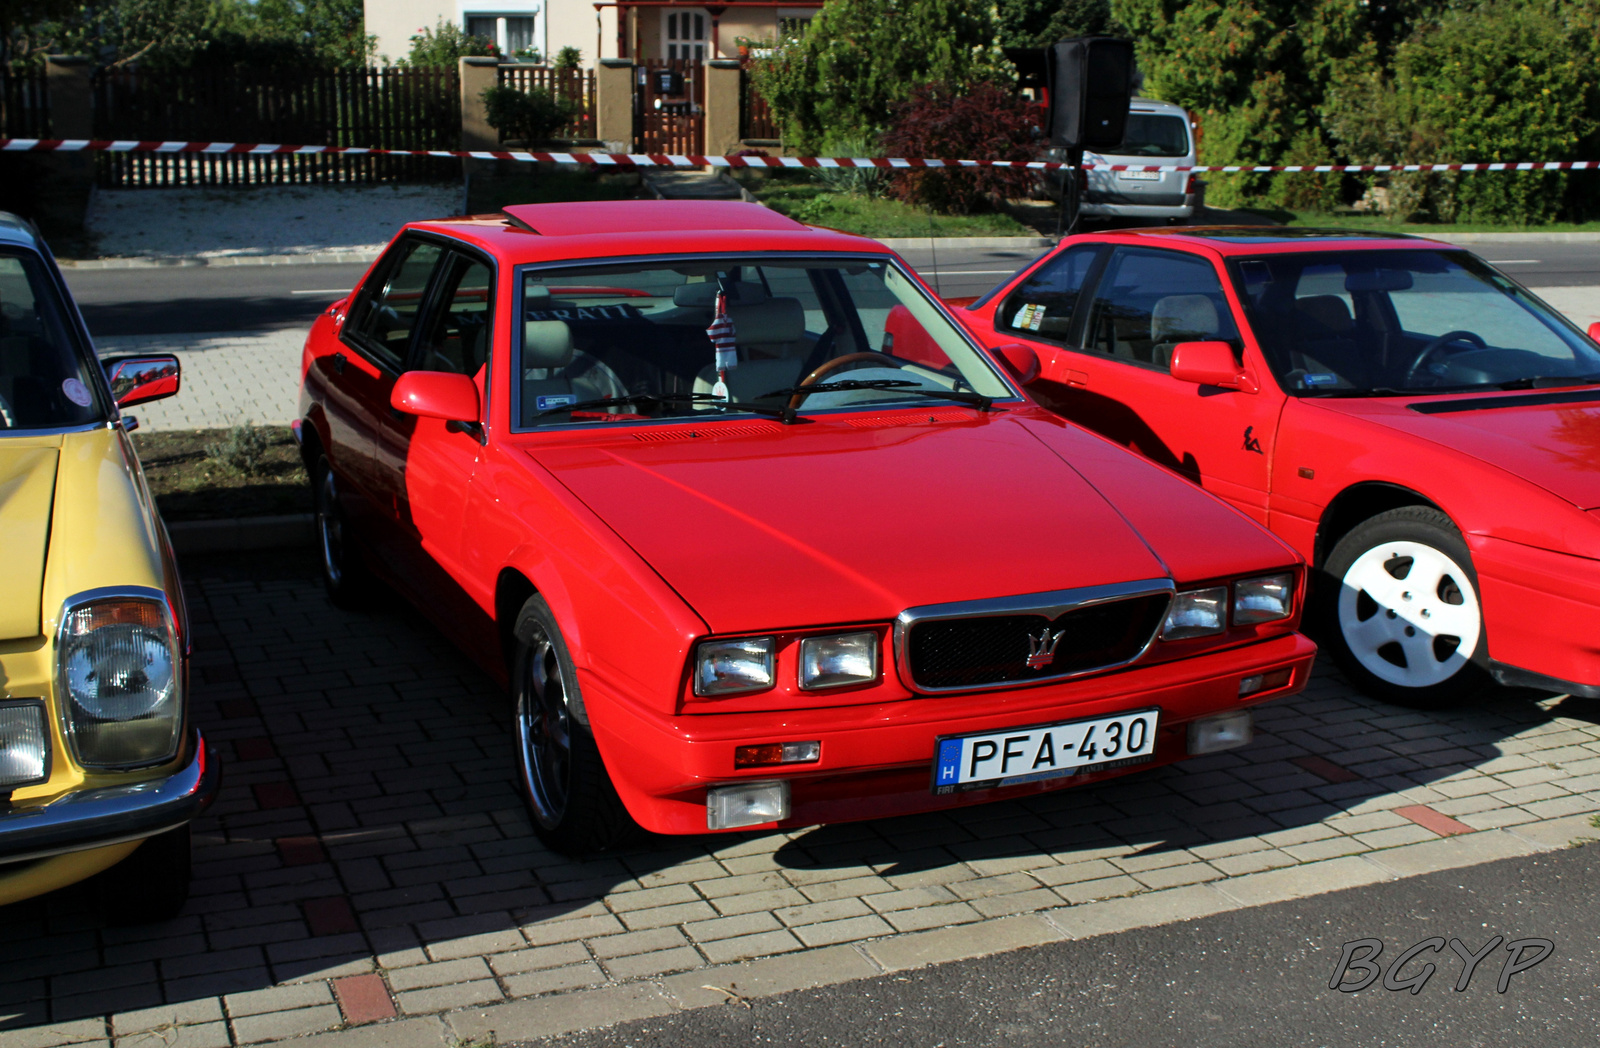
(666, 399)
(1548, 381)
(1372, 391)
(977, 400)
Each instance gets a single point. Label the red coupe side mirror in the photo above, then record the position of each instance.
(137, 380)
(436, 394)
(1021, 359)
(1210, 364)
(1594, 331)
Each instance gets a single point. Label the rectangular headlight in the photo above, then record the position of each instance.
(731, 667)
(120, 678)
(837, 660)
(24, 745)
(1196, 613)
(1262, 600)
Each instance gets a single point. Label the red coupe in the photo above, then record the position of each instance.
(1421, 428)
(660, 467)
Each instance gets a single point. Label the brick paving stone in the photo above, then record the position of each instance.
(442, 973)
(1105, 888)
(552, 980)
(276, 999)
(637, 942)
(275, 1026)
(661, 962)
(727, 927)
(330, 915)
(538, 958)
(1427, 818)
(762, 944)
(363, 998)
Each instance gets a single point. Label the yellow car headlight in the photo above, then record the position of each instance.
(120, 674)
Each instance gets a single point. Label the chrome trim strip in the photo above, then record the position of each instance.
(95, 818)
(1050, 605)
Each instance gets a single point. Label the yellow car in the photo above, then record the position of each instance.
(100, 769)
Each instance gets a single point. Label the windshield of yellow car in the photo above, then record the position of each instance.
(630, 342)
(1384, 323)
(43, 380)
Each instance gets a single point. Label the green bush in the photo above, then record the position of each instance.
(444, 45)
(569, 58)
(242, 450)
(533, 116)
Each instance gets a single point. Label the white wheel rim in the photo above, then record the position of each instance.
(1411, 615)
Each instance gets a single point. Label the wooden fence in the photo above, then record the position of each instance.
(574, 86)
(755, 116)
(24, 106)
(678, 123)
(375, 108)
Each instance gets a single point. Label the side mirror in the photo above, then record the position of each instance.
(137, 380)
(1594, 331)
(1021, 360)
(1211, 364)
(436, 394)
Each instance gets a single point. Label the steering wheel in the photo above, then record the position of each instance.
(830, 366)
(1439, 343)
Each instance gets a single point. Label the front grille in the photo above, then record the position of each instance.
(980, 650)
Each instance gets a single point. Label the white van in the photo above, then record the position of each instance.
(1157, 133)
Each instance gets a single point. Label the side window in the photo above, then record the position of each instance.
(1150, 300)
(456, 334)
(391, 301)
(1042, 305)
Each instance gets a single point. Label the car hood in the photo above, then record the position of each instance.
(760, 526)
(27, 492)
(1551, 439)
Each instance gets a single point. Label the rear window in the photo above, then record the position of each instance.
(43, 381)
(1153, 134)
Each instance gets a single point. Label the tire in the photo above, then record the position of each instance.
(562, 777)
(149, 886)
(344, 574)
(1401, 612)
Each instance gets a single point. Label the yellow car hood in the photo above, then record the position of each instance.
(27, 492)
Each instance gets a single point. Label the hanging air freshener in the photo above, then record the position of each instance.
(722, 339)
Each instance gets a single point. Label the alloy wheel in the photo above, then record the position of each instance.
(1409, 614)
(330, 529)
(544, 729)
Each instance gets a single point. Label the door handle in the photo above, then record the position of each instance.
(1077, 378)
(338, 363)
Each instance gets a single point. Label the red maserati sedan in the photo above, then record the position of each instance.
(1421, 428)
(658, 467)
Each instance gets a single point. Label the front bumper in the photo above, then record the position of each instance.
(94, 818)
(877, 760)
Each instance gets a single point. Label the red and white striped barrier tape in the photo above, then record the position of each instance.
(68, 145)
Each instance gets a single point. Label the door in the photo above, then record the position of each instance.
(424, 465)
(1145, 301)
(375, 343)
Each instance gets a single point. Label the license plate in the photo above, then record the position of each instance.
(1049, 751)
(1140, 176)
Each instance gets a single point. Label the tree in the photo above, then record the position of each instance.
(444, 45)
(1038, 23)
(858, 58)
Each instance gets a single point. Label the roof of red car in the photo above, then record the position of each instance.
(1257, 240)
(599, 229)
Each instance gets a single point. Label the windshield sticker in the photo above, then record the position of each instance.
(76, 392)
(1029, 317)
(555, 400)
(1319, 378)
(621, 311)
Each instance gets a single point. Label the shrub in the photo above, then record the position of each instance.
(444, 45)
(533, 116)
(984, 122)
(242, 449)
(569, 58)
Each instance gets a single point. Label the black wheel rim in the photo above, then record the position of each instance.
(544, 731)
(330, 529)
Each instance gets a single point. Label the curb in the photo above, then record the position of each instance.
(355, 256)
(241, 533)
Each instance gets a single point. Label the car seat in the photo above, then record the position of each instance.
(1180, 318)
(772, 344)
(555, 374)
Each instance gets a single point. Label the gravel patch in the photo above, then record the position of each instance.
(250, 222)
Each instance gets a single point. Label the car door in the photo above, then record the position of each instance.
(425, 466)
(1145, 301)
(376, 341)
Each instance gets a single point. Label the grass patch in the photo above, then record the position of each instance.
(488, 192)
(1378, 223)
(209, 474)
(809, 200)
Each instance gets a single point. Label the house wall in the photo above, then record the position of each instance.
(395, 22)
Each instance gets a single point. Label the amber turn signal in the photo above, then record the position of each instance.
(1265, 682)
(777, 753)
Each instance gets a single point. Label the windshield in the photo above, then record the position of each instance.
(1151, 134)
(1362, 323)
(42, 381)
(623, 343)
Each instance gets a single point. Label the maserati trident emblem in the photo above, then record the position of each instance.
(1042, 649)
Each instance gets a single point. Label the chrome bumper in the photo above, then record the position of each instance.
(94, 818)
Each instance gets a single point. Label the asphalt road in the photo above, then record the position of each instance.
(1252, 978)
(255, 298)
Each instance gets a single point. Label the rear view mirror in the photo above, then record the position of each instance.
(1211, 364)
(1021, 360)
(138, 380)
(436, 394)
(1594, 331)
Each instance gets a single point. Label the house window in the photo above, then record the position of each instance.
(514, 35)
(683, 35)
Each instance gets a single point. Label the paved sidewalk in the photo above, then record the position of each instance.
(370, 870)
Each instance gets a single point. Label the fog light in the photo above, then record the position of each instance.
(777, 753)
(24, 745)
(1264, 682)
(746, 804)
(1214, 734)
(1196, 613)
